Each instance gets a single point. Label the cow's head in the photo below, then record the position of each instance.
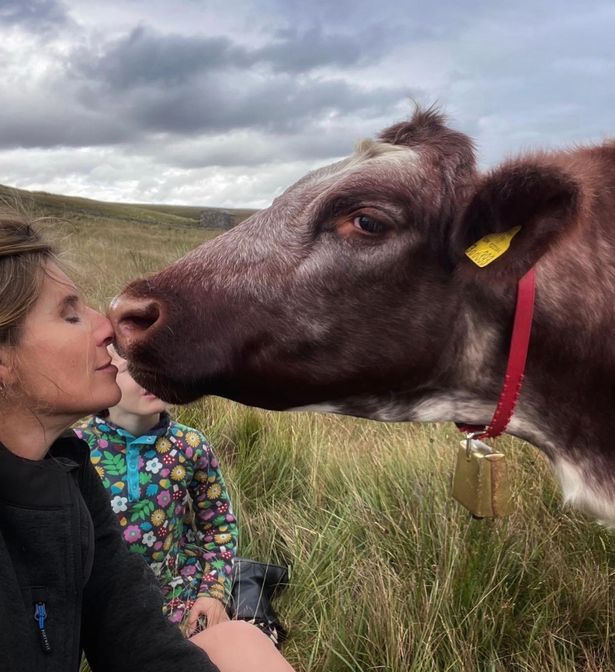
(349, 285)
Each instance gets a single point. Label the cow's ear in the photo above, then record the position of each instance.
(528, 206)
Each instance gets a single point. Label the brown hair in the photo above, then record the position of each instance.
(24, 252)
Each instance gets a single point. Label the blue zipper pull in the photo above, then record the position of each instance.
(40, 616)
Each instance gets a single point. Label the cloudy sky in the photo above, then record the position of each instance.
(227, 102)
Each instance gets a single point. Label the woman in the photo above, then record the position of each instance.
(68, 581)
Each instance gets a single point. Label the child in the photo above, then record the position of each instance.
(169, 496)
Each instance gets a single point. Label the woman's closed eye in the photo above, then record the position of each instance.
(70, 309)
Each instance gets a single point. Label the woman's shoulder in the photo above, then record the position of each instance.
(71, 446)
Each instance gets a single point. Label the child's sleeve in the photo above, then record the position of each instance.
(216, 525)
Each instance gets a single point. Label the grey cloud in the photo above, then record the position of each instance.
(144, 57)
(61, 124)
(33, 14)
(282, 104)
(176, 84)
(294, 50)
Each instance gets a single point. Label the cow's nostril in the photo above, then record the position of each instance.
(139, 318)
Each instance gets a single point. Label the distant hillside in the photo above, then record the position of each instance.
(70, 207)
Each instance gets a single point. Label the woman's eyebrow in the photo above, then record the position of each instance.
(69, 301)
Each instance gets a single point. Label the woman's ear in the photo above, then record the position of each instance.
(7, 368)
(516, 214)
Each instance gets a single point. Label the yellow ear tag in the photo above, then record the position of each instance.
(492, 246)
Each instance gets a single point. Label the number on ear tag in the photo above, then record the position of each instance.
(492, 246)
(480, 482)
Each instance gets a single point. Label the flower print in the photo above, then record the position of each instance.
(149, 538)
(201, 476)
(177, 581)
(163, 445)
(161, 533)
(132, 533)
(217, 592)
(119, 504)
(214, 491)
(158, 517)
(193, 439)
(178, 473)
(103, 443)
(100, 471)
(155, 566)
(189, 570)
(154, 465)
(164, 498)
(222, 538)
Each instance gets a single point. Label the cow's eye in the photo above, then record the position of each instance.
(368, 224)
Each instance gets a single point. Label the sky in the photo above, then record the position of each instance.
(227, 102)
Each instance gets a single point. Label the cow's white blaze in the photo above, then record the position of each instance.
(582, 492)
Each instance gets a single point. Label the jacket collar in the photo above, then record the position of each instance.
(40, 484)
(109, 428)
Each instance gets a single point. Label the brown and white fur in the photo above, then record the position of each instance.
(351, 293)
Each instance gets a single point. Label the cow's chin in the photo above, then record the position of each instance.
(165, 388)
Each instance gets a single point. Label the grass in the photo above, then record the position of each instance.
(388, 572)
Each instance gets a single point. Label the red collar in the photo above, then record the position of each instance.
(515, 368)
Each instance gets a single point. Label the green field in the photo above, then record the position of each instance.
(389, 573)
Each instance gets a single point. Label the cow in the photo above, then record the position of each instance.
(353, 293)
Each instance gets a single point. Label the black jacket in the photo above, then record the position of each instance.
(62, 557)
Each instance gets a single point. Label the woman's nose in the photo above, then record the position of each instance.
(103, 330)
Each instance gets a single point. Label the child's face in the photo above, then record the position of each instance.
(135, 399)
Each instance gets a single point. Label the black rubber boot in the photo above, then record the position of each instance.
(254, 586)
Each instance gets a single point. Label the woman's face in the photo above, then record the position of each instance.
(61, 366)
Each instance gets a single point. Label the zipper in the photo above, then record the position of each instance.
(40, 616)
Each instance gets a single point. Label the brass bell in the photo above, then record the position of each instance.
(480, 482)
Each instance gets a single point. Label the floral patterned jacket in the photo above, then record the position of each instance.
(170, 499)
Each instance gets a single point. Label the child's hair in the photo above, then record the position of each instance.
(24, 253)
